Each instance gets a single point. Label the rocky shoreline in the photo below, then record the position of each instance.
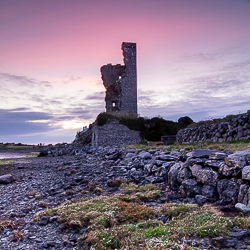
(34, 184)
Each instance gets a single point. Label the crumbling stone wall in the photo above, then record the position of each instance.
(114, 134)
(237, 128)
(120, 82)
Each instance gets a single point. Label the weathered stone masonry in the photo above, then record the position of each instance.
(120, 82)
(114, 134)
(237, 128)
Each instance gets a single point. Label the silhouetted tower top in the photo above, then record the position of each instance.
(120, 82)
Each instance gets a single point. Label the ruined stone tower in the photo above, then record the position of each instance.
(120, 82)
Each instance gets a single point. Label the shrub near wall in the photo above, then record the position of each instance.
(237, 128)
(150, 129)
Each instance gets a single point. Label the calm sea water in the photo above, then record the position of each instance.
(9, 155)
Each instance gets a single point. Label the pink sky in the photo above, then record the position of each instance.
(193, 59)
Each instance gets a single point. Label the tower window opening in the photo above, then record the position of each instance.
(114, 104)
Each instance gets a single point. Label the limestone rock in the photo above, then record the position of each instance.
(240, 235)
(145, 155)
(226, 170)
(195, 168)
(148, 167)
(218, 156)
(161, 172)
(137, 175)
(245, 155)
(6, 179)
(228, 190)
(243, 208)
(209, 192)
(200, 199)
(169, 164)
(172, 176)
(208, 177)
(43, 221)
(222, 242)
(244, 194)
(190, 188)
(183, 174)
(129, 155)
(166, 158)
(246, 173)
(213, 163)
(235, 161)
(201, 153)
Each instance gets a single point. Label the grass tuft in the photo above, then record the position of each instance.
(112, 223)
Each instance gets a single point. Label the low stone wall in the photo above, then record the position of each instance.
(200, 175)
(237, 128)
(114, 134)
(212, 175)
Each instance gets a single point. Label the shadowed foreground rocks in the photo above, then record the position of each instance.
(35, 184)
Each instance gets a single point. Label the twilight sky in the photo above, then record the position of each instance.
(193, 58)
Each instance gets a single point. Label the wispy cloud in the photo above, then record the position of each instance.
(217, 91)
(95, 96)
(24, 80)
(20, 122)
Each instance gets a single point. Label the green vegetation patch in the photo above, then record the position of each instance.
(5, 162)
(234, 146)
(112, 223)
(150, 129)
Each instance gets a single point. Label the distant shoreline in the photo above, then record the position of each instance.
(13, 154)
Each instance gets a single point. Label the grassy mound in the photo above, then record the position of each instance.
(150, 129)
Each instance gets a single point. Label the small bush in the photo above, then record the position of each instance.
(68, 192)
(7, 224)
(103, 118)
(155, 232)
(133, 212)
(16, 236)
(97, 190)
(114, 183)
(92, 186)
(185, 121)
(43, 204)
(105, 221)
(174, 209)
(150, 129)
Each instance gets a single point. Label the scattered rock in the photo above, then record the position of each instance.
(49, 181)
(6, 179)
(190, 188)
(246, 173)
(243, 208)
(201, 153)
(200, 199)
(228, 190)
(240, 235)
(207, 176)
(44, 221)
(145, 155)
(224, 242)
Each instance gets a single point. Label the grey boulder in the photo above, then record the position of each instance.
(201, 153)
(242, 208)
(6, 179)
(246, 173)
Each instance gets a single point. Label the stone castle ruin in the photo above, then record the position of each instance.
(120, 82)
